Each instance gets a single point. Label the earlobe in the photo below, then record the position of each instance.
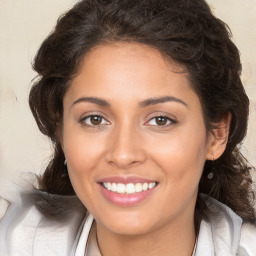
(219, 138)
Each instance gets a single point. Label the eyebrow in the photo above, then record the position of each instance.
(154, 101)
(148, 102)
(95, 100)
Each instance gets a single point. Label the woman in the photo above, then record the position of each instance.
(145, 108)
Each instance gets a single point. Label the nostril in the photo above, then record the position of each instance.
(123, 162)
(125, 151)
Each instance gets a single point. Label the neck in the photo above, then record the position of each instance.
(174, 239)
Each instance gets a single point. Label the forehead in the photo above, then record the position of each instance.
(129, 71)
(131, 56)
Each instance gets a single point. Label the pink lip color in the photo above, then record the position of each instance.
(125, 199)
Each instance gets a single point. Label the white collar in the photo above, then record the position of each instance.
(83, 236)
(219, 232)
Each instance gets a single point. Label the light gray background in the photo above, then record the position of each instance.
(23, 26)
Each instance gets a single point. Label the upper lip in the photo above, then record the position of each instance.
(125, 179)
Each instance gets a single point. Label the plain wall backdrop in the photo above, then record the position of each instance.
(23, 26)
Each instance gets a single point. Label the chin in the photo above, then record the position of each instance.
(128, 223)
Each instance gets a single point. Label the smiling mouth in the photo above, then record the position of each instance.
(130, 188)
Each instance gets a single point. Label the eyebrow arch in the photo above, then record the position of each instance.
(154, 101)
(95, 100)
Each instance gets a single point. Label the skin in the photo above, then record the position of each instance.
(129, 142)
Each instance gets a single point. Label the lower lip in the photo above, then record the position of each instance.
(126, 199)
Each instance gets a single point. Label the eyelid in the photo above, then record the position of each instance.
(153, 115)
(93, 113)
(87, 117)
(90, 114)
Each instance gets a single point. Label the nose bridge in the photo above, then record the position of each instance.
(125, 147)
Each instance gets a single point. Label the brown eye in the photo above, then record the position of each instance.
(161, 120)
(95, 120)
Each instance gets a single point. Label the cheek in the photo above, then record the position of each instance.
(83, 151)
(84, 155)
(182, 155)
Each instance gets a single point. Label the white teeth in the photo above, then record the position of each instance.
(129, 188)
(109, 186)
(120, 188)
(138, 187)
(151, 185)
(145, 186)
(114, 187)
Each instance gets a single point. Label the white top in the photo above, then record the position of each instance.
(92, 248)
(64, 229)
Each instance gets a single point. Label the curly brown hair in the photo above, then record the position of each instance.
(185, 31)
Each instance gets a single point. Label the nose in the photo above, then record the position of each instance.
(125, 149)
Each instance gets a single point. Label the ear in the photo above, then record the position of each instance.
(218, 138)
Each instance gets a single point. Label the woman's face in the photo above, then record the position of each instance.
(134, 139)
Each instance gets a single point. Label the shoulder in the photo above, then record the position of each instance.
(224, 231)
(39, 223)
(248, 239)
(3, 207)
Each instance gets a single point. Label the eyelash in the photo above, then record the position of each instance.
(83, 121)
(169, 121)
